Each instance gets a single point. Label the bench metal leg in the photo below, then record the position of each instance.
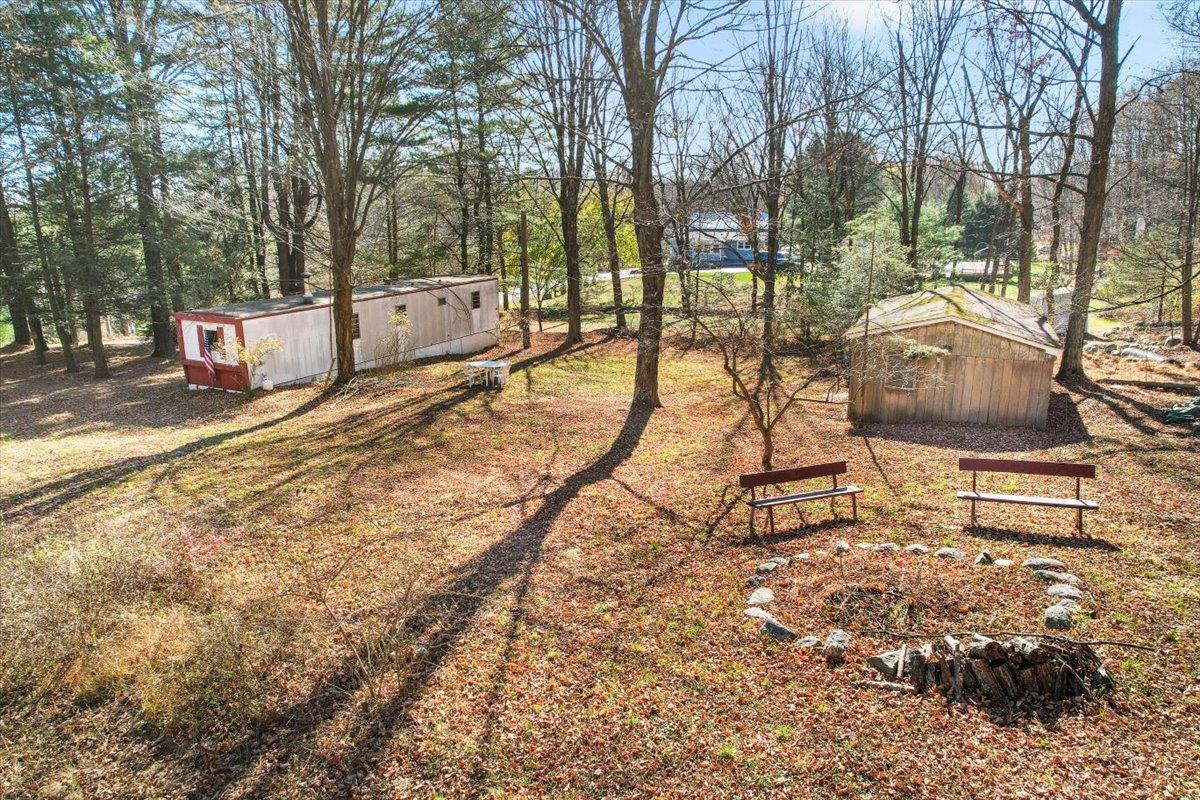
(973, 514)
(854, 505)
(771, 519)
(752, 510)
(1079, 521)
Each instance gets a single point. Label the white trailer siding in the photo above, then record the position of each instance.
(440, 311)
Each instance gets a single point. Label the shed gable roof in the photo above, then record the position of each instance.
(981, 310)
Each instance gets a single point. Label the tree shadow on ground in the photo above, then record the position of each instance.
(52, 496)
(439, 623)
(1047, 539)
(1134, 413)
(804, 529)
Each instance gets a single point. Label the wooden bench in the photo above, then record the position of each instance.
(778, 477)
(1056, 469)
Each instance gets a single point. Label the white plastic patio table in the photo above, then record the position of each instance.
(490, 369)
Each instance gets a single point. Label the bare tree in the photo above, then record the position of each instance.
(922, 42)
(608, 189)
(1102, 19)
(1016, 79)
(355, 61)
(561, 96)
(640, 48)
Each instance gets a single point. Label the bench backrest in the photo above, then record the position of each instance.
(1060, 469)
(795, 474)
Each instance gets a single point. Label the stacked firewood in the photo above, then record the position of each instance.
(996, 672)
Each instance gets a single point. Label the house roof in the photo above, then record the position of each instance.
(988, 312)
(714, 222)
(295, 302)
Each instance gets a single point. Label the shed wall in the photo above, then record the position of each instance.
(986, 380)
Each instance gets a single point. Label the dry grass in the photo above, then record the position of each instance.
(431, 591)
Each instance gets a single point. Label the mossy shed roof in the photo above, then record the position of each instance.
(955, 303)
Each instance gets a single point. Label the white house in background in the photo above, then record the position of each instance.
(964, 269)
(1062, 308)
(449, 314)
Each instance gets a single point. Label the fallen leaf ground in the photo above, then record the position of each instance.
(566, 580)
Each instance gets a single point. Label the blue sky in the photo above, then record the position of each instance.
(1142, 23)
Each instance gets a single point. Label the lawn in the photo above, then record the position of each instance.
(420, 590)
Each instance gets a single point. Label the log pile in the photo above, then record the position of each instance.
(995, 672)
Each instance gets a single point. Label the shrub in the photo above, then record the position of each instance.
(191, 672)
(60, 601)
(105, 620)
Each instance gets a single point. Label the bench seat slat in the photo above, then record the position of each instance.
(785, 499)
(1030, 500)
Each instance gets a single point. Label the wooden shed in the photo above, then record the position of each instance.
(451, 314)
(951, 354)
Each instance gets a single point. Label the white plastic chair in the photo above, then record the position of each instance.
(473, 374)
(501, 374)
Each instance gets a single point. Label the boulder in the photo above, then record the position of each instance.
(949, 552)
(754, 612)
(801, 557)
(917, 548)
(1071, 605)
(782, 561)
(761, 596)
(835, 646)
(777, 630)
(1141, 354)
(865, 546)
(886, 664)
(841, 548)
(887, 547)
(809, 641)
(1171, 341)
(1051, 576)
(766, 568)
(1059, 618)
(1065, 590)
(754, 581)
(984, 558)
(1041, 562)
(1003, 562)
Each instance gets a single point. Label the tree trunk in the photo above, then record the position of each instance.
(569, 219)
(503, 267)
(341, 260)
(16, 292)
(1095, 193)
(1025, 264)
(57, 312)
(609, 221)
(523, 242)
(1188, 239)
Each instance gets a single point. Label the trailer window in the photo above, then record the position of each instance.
(354, 330)
(212, 339)
(474, 300)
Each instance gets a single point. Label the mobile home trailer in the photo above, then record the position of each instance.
(451, 314)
